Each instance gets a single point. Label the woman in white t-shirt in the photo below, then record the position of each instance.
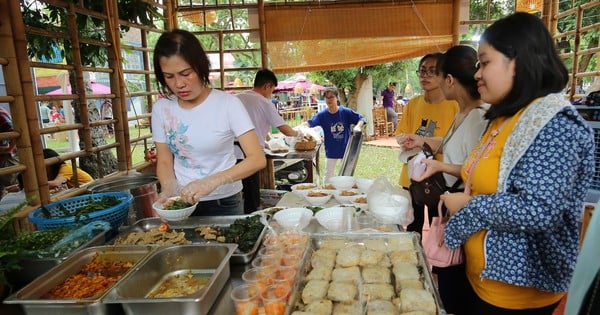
(457, 67)
(194, 127)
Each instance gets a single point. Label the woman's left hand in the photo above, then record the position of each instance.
(455, 201)
(433, 166)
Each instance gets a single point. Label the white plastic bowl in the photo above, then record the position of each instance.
(362, 205)
(173, 215)
(293, 218)
(342, 182)
(317, 200)
(364, 184)
(303, 188)
(336, 219)
(347, 199)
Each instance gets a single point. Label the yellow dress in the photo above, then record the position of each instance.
(484, 181)
(417, 112)
(66, 171)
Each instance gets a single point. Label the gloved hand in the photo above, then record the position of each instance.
(169, 189)
(193, 191)
(300, 134)
(357, 129)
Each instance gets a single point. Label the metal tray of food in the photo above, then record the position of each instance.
(187, 230)
(170, 271)
(401, 248)
(31, 297)
(33, 267)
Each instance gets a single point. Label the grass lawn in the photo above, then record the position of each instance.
(373, 162)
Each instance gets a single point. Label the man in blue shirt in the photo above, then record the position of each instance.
(337, 122)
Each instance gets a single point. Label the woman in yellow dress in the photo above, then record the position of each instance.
(519, 227)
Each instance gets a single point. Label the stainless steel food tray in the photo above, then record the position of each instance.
(30, 299)
(132, 291)
(189, 225)
(317, 239)
(32, 267)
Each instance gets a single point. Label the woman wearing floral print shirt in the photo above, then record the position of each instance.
(519, 227)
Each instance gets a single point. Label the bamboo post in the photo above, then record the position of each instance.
(23, 108)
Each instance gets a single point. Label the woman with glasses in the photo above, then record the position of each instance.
(426, 115)
(457, 67)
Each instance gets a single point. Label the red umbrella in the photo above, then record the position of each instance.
(300, 81)
(97, 88)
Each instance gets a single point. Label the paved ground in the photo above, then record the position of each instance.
(383, 142)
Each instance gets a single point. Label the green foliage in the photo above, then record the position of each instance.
(55, 19)
(10, 251)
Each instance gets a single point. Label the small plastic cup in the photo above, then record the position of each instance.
(266, 261)
(274, 298)
(284, 275)
(259, 277)
(246, 298)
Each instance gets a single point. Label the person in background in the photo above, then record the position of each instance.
(8, 153)
(337, 122)
(457, 67)
(264, 116)
(389, 102)
(106, 113)
(55, 116)
(519, 228)
(45, 113)
(427, 115)
(60, 174)
(194, 128)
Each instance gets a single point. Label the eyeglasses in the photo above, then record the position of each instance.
(426, 73)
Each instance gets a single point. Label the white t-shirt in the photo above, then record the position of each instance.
(201, 138)
(263, 113)
(466, 136)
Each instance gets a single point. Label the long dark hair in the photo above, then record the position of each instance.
(460, 62)
(184, 44)
(539, 70)
(52, 170)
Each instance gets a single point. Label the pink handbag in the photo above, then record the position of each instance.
(434, 247)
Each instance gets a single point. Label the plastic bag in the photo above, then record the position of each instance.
(77, 238)
(388, 204)
(307, 131)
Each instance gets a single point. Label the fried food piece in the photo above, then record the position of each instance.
(323, 307)
(349, 256)
(400, 243)
(323, 257)
(377, 291)
(417, 300)
(349, 274)
(406, 256)
(320, 273)
(371, 257)
(381, 307)
(314, 291)
(376, 274)
(376, 244)
(342, 291)
(351, 308)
